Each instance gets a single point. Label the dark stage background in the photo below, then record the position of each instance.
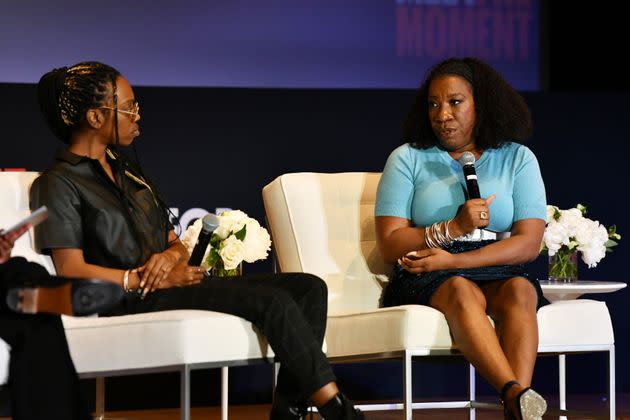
(217, 147)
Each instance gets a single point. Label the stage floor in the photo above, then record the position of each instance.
(261, 412)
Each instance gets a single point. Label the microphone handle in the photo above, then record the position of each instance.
(200, 248)
(471, 182)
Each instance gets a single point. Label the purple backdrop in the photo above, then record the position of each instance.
(280, 44)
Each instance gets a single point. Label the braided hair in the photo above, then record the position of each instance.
(502, 113)
(65, 94)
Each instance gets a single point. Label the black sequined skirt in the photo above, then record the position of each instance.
(406, 288)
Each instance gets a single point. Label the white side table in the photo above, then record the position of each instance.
(556, 290)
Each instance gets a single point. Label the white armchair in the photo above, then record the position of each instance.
(182, 340)
(324, 224)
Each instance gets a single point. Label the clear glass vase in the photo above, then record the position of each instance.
(219, 271)
(563, 266)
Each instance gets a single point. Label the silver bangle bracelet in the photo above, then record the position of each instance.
(438, 235)
(126, 281)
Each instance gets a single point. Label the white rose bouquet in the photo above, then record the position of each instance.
(568, 232)
(238, 238)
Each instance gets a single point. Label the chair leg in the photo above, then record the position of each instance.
(472, 392)
(100, 398)
(407, 386)
(184, 392)
(224, 392)
(562, 383)
(276, 370)
(611, 383)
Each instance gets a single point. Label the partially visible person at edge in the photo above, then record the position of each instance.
(107, 220)
(42, 380)
(444, 244)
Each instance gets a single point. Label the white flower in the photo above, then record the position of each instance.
(584, 232)
(230, 221)
(593, 255)
(591, 233)
(571, 219)
(257, 242)
(592, 242)
(555, 236)
(232, 252)
(551, 211)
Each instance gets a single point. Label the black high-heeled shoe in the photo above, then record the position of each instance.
(284, 409)
(290, 413)
(340, 408)
(507, 414)
(529, 404)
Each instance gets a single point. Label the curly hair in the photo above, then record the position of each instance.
(502, 114)
(66, 93)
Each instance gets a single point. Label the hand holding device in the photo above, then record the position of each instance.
(9, 236)
(33, 219)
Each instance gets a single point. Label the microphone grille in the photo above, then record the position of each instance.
(467, 158)
(210, 222)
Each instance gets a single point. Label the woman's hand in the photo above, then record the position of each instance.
(474, 214)
(181, 275)
(156, 269)
(7, 241)
(426, 260)
(6, 245)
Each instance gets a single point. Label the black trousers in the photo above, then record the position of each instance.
(43, 383)
(289, 309)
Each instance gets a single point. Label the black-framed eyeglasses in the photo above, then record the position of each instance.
(135, 110)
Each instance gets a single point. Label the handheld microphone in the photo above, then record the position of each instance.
(209, 223)
(467, 160)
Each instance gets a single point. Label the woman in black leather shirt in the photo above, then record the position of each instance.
(107, 221)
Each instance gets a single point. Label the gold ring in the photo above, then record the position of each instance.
(483, 215)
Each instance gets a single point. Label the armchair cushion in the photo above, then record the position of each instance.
(425, 329)
(161, 339)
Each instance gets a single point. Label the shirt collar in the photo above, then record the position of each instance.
(66, 155)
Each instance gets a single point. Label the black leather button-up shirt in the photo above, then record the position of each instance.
(87, 210)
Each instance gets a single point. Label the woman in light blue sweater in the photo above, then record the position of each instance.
(465, 254)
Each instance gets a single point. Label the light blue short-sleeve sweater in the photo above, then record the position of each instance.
(428, 186)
